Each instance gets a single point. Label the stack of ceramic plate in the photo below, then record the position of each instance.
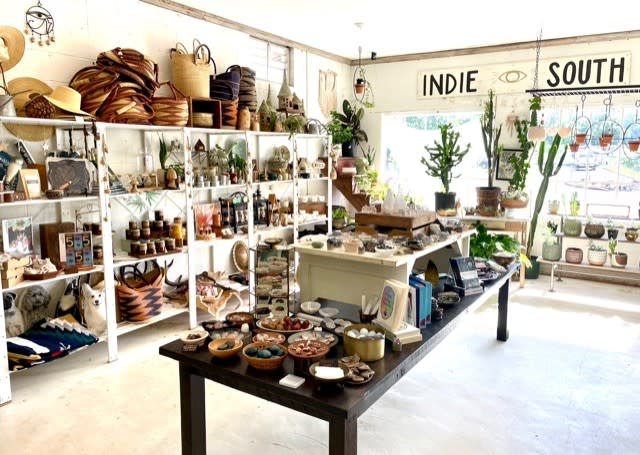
(247, 95)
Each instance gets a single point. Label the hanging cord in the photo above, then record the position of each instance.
(538, 46)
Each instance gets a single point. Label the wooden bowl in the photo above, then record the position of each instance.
(240, 317)
(225, 353)
(271, 363)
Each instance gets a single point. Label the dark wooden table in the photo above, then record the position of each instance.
(340, 406)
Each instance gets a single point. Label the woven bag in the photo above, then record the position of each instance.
(132, 65)
(226, 86)
(170, 110)
(126, 104)
(190, 71)
(140, 293)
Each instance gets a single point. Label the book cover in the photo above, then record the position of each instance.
(423, 309)
(464, 272)
(393, 304)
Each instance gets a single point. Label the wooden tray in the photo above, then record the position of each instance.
(41, 276)
(153, 255)
(403, 222)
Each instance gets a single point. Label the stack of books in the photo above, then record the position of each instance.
(392, 313)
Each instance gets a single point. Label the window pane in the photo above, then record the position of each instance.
(269, 60)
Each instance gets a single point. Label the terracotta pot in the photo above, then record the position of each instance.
(580, 138)
(606, 138)
(554, 206)
(514, 203)
(619, 260)
(596, 257)
(634, 144)
(574, 147)
(573, 255)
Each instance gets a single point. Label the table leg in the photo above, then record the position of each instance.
(343, 437)
(192, 413)
(503, 305)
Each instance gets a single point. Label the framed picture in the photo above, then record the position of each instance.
(505, 169)
(17, 236)
(30, 183)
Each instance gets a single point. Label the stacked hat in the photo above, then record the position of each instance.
(248, 95)
(23, 90)
(11, 46)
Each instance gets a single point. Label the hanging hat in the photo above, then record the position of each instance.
(67, 99)
(22, 88)
(14, 42)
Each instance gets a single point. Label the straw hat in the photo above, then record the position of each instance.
(14, 41)
(67, 99)
(22, 88)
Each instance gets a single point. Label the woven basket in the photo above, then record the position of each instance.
(229, 114)
(170, 110)
(230, 81)
(202, 119)
(126, 105)
(139, 295)
(190, 72)
(94, 84)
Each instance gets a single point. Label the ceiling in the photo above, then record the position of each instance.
(400, 27)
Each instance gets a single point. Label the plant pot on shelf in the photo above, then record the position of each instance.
(594, 230)
(597, 257)
(348, 149)
(488, 198)
(573, 255)
(612, 233)
(572, 227)
(554, 206)
(551, 251)
(619, 260)
(631, 234)
(506, 203)
(445, 203)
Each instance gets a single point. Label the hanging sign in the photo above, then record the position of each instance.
(515, 77)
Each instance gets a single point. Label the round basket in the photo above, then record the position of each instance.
(139, 294)
(271, 363)
(202, 119)
(225, 353)
(170, 110)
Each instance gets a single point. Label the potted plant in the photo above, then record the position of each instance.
(631, 233)
(440, 161)
(573, 255)
(612, 229)
(549, 164)
(572, 226)
(593, 229)
(551, 248)
(346, 127)
(488, 197)
(617, 258)
(516, 196)
(339, 217)
(535, 132)
(554, 206)
(484, 244)
(596, 255)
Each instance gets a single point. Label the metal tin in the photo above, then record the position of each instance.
(368, 350)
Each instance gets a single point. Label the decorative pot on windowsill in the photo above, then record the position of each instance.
(594, 230)
(631, 234)
(573, 255)
(619, 260)
(572, 227)
(552, 251)
(597, 257)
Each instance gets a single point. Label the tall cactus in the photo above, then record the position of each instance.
(548, 169)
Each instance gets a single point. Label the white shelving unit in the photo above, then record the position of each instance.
(118, 147)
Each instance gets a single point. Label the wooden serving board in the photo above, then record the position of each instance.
(393, 221)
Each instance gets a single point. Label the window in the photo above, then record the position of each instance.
(403, 139)
(270, 60)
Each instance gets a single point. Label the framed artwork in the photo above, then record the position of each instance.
(73, 171)
(30, 183)
(505, 168)
(17, 236)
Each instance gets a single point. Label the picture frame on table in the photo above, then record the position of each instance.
(30, 183)
(504, 170)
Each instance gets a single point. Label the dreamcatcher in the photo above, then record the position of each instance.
(39, 22)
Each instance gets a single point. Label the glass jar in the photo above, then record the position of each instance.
(177, 232)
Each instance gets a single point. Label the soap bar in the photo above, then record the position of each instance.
(292, 381)
(329, 372)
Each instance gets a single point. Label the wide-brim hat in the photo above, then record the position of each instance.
(67, 99)
(22, 88)
(14, 40)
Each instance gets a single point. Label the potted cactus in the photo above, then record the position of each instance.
(551, 248)
(572, 226)
(489, 196)
(596, 255)
(440, 161)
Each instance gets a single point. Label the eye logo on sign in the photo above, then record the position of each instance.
(512, 76)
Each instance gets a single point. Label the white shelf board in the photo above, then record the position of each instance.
(61, 276)
(42, 201)
(168, 311)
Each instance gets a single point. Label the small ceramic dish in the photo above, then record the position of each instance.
(317, 244)
(240, 317)
(384, 252)
(269, 337)
(224, 348)
(328, 312)
(318, 371)
(195, 337)
(310, 307)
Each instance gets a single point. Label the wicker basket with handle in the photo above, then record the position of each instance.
(190, 72)
(140, 293)
(170, 110)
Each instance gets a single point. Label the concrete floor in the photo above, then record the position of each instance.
(567, 382)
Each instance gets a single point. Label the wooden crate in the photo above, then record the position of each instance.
(407, 226)
(12, 282)
(10, 274)
(14, 263)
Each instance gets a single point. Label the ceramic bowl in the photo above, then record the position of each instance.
(384, 252)
(269, 337)
(328, 312)
(503, 258)
(233, 346)
(195, 337)
(317, 244)
(310, 307)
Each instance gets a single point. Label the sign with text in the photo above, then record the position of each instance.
(558, 72)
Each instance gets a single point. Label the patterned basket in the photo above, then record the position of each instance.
(139, 294)
(202, 119)
(229, 114)
(125, 104)
(170, 110)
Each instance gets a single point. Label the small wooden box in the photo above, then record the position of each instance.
(15, 263)
(12, 273)
(12, 282)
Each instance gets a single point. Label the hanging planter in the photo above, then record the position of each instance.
(580, 138)
(359, 86)
(574, 147)
(605, 139)
(633, 145)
